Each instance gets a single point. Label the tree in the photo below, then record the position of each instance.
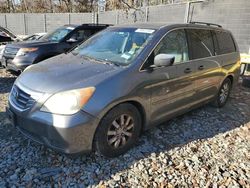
(43, 6)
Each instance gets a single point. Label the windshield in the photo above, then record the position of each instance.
(118, 46)
(58, 34)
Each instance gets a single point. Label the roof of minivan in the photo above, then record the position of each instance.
(159, 25)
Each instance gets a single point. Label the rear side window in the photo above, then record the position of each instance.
(224, 42)
(200, 43)
(82, 34)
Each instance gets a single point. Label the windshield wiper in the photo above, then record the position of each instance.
(87, 57)
(107, 62)
(112, 63)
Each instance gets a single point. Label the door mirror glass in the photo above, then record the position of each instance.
(71, 40)
(163, 60)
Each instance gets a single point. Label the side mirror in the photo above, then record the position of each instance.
(71, 40)
(163, 60)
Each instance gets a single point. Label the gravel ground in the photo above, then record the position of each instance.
(207, 147)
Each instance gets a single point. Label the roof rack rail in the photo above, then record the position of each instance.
(96, 24)
(208, 24)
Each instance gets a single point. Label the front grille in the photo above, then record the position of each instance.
(21, 99)
(10, 52)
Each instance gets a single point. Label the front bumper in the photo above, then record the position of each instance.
(49, 129)
(15, 64)
(15, 67)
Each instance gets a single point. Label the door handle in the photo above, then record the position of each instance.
(187, 70)
(201, 67)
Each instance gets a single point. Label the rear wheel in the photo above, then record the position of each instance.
(118, 131)
(224, 93)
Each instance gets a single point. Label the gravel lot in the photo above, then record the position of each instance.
(207, 147)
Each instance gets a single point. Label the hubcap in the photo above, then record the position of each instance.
(120, 131)
(224, 93)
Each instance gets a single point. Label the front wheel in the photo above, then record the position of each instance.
(118, 131)
(224, 92)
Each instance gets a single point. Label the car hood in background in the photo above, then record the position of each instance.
(27, 44)
(11, 34)
(65, 72)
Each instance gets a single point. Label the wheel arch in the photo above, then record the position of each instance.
(231, 77)
(141, 110)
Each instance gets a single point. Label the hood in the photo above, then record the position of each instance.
(27, 44)
(65, 72)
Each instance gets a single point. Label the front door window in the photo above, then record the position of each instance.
(175, 44)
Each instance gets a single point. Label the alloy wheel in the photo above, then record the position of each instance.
(120, 131)
(224, 92)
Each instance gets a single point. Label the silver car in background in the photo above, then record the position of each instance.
(121, 81)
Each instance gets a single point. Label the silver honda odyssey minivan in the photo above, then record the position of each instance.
(123, 80)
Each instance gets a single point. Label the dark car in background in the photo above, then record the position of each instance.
(122, 81)
(18, 56)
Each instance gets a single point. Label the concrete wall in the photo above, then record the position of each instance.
(231, 14)
(35, 23)
(24, 24)
(167, 13)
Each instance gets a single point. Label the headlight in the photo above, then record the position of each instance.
(24, 51)
(68, 102)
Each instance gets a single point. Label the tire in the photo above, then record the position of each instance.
(223, 94)
(122, 123)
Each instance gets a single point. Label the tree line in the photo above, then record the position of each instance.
(62, 6)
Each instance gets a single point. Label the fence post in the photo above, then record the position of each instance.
(5, 19)
(45, 24)
(146, 13)
(117, 17)
(96, 18)
(25, 24)
(188, 13)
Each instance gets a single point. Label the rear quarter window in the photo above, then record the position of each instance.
(224, 43)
